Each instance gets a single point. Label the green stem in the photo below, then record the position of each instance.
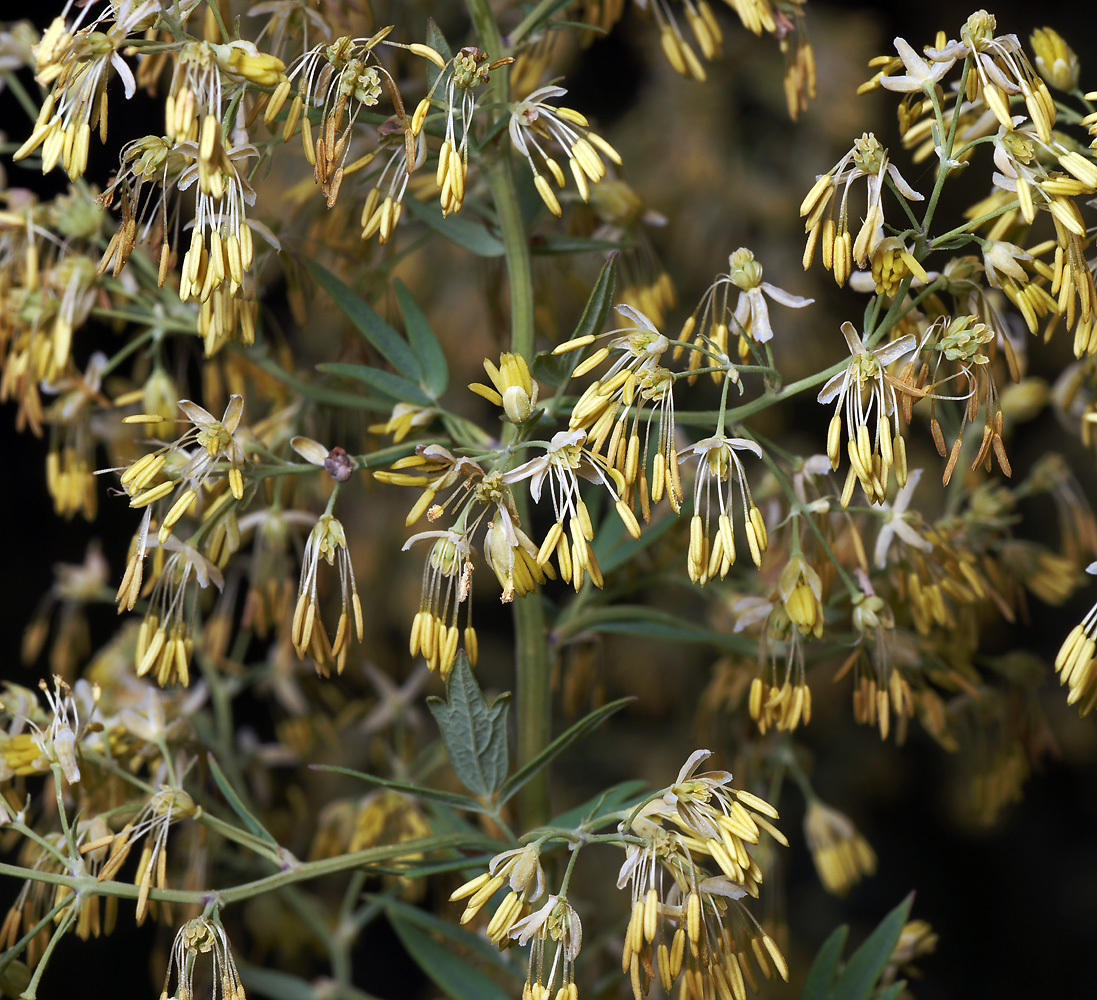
(531, 649)
(31, 992)
(89, 885)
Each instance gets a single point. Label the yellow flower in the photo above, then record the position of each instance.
(872, 455)
(520, 867)
(327, 541)
(556, 921)
(534, 120)
(1056, 61)
(202, 936)
(514, 389)
(164, 641)
(434, 632)
(866, 159)
(842, 856)
(1076, 663)
(712, 552)
(566, 459)
(1001, 69)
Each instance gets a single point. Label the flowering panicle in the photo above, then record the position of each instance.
(866, 159)
(327, 541)
(534, 120)
(696, 927)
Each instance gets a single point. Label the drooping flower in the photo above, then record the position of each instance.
(865, 385)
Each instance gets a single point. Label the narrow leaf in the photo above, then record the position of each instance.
(867, 963)
(551, 243)
(893, 991)
(454, 976)
(237, 803)
(821, 975)
(274, 984)
(636, 619)
(614, 549)
(469, 235)
(437, 41)
(451, 930)
(389, 383)
(558, 746)
(474, 733)
(383, 337)
(615, 797)
(451, 799)
(424, 342)
(555, 369)
(600, 301)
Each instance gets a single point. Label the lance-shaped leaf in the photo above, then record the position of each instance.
(453, 975)
(424, 342)
(862, 972)
(451, 799)
(474, 733)
(558, 746)
(237, 803)
(383, 337)
(469, 235)
(394, 385)
(554, 369)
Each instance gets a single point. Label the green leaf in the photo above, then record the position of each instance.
(637, 619)
(237, 803)
(893, 991)
(451, 974)
(450, 929)
(437, 41)
(424, 342)
(867, 963)
(549, 244)
(452, 799)
(274, 984)
(474, 733)
(614, 549)
(600, 301)
(383, 337)
(558, 746)
(555, 369)
(614, 798)
(821, 975)
(389, 383)
(469, 235)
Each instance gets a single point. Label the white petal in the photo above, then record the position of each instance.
(785, 298)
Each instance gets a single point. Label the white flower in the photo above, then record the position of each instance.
(919, 74)
(896, 522)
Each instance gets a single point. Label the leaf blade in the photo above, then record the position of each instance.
(424, 342)
(473, 732)
(390, 383)
(456, 978)
(368, 322)
(571, 735)
(867, 963)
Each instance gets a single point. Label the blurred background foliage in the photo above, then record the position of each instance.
(1012, 899)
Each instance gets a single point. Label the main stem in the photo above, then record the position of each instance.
(531, 649)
